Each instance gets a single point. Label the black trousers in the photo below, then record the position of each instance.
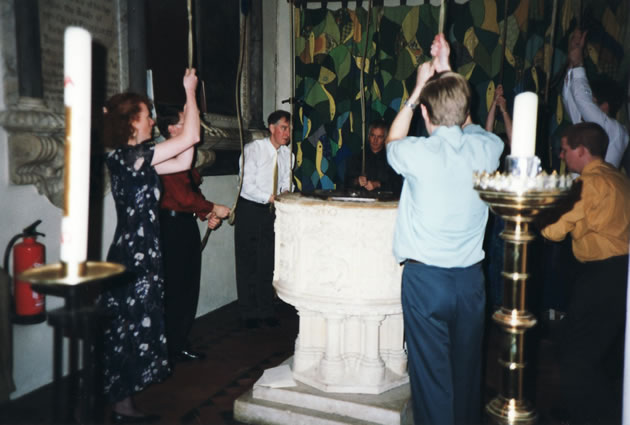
(591, 366)
(182, 273)
(254, 249)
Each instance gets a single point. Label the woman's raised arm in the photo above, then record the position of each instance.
(176, 153)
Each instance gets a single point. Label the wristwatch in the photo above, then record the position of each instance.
(411, 105)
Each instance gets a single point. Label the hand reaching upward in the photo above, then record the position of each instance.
(440, 50)
(576, 47)
(190, 80)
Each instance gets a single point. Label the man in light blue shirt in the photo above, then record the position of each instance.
(438, 236)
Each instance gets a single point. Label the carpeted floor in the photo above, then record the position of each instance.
(203, 392)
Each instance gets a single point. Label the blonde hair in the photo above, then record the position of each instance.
(447, 98)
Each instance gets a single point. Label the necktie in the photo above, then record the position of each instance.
(275, 177)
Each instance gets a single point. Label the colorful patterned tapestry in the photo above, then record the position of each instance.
(330, 45)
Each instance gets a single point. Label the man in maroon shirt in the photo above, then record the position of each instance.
(181, 202)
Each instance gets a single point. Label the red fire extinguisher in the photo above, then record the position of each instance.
(29, 307)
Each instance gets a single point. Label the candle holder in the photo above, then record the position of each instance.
(78, 322)
(518, 196)
(60, 275)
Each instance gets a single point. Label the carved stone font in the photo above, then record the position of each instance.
(334, 264)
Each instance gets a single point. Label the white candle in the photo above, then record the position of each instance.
(77, 83)
(524, 125)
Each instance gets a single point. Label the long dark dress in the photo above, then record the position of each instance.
(135, 350)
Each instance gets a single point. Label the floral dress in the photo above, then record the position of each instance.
(135, 350)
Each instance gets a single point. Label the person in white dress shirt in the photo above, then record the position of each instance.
(253, 232)
(597, 102)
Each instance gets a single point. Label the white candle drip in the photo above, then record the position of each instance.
(77, 85)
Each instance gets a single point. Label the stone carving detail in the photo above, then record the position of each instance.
(36, 147)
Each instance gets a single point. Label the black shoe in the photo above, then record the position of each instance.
(271, 322)
(187, 355)
(119, 418)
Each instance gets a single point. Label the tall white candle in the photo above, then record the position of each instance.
(77, 83)
(524, 126)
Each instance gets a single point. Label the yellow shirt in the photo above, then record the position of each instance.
(600, 221)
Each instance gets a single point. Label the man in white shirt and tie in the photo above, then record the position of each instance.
(266, 173)
(597, 102)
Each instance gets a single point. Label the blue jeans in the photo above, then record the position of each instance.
(443, 311)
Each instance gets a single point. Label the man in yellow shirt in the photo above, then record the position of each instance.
(591, 364)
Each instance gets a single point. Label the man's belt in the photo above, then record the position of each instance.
(252, 203)
(412, 261)
(177, 214)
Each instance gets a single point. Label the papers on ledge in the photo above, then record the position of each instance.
(277, 377)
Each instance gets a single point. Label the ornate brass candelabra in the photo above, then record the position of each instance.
(518, 196)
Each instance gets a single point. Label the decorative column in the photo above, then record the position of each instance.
(372, 367)
(331, 367)
(307, 351)
(391, 341)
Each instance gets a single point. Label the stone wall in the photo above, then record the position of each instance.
(104, 20)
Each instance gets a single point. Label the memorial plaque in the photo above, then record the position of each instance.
(101, 19)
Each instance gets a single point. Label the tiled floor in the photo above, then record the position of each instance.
(203, 392)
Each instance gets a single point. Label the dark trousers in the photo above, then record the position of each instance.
(559, 268)
(182, 273)
(254, 248)
(493, 246)
(591, 366)
(443, 312)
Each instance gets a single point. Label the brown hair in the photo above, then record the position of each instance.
(276, 116)
(379, 123)
(120, 111)
(588, 134)
(446, 96)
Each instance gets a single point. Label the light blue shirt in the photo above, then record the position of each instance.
(441, 219)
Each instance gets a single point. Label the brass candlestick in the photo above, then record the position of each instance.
(76, 321)
(518, 196)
